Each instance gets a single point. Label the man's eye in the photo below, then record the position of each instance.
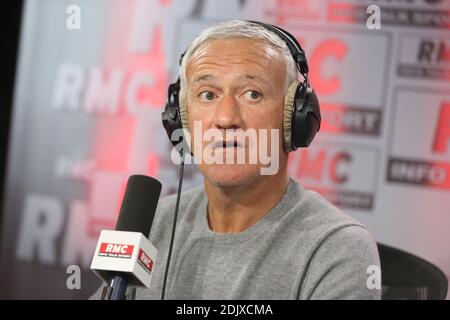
(207, 96)
(252, 95)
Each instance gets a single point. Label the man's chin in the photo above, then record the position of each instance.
(231, 175)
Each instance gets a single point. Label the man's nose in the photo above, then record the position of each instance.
(228, 114)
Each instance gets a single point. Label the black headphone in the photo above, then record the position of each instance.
(302, 111)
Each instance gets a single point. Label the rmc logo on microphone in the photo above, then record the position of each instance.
(123, 251)
(145, 261)
(114, 250)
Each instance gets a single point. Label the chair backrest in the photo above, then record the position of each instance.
(408, 277)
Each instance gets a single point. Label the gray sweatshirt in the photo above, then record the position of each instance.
(304, 248)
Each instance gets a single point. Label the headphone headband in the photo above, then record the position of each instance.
(293, 45)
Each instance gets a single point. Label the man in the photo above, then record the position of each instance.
(243, 234)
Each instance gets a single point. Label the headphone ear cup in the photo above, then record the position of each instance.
(288, 112)
(169, 120)
(170, 117)
(305, 118)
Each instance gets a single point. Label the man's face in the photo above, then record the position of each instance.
(235, 84)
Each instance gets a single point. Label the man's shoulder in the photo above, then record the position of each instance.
(338, 248)
(316, 209)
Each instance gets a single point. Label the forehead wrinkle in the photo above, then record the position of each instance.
(246, 54)
(201, 73)
(211, 59)
(242, 77)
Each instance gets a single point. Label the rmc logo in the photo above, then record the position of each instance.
(115, 250)
(351, 102)
(344, 174)
(424, 57)
(145, 261)
(420, 149)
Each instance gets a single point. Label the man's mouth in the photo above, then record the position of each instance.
(227, 144)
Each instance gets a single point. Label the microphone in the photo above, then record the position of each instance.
(125, 256)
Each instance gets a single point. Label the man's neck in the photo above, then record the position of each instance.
(235, 209)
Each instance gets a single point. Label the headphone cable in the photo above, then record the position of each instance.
(174, 225)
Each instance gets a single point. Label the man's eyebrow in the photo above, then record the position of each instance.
(253, 78)
(203, 78)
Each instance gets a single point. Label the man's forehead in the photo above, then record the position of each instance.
(216, 51)
(240, 77)
(241, 44)
(219, 59)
